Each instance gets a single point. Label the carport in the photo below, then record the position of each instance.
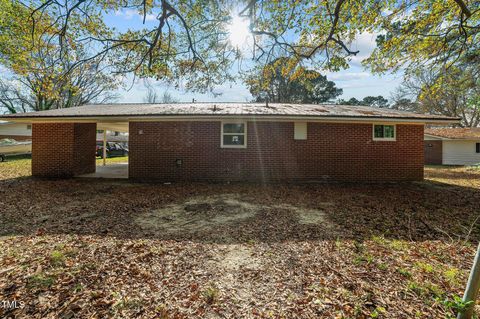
(110, 170)
(68, 148)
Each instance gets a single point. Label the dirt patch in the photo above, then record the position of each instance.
(210, 212)
(231, 266)
(239, 257)
(199, 213)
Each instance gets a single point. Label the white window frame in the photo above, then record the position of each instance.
(244, 134)
(393, 139)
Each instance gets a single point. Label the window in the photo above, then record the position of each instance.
(300, 131)
(234, 134)
(477, 147)
(29, 127)
(384, 132)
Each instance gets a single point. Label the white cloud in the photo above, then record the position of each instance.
(365, 44)
(348, 76)
(128, 14)
(150, 17)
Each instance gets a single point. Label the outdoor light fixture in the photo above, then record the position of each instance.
(178, 162)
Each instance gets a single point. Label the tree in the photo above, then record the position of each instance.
(420, 33)
(405, 104)
(51, 88)
(352, 101)
(403, 99)
(190, 40)
(411, 32)
(375, 101)
(188, 46)
(153, 97)
(451, 92)
(284, 81)
(42, 74)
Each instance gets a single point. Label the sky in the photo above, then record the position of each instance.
(355, 81)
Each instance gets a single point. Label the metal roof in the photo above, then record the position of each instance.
(458, 133)
(282, 110)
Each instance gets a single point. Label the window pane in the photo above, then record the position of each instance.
(234, 128)
(389, 131)
(477, 147)
(233, 140)
(378, 131)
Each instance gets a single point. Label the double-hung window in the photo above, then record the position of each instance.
(234, 135)
(382, 132)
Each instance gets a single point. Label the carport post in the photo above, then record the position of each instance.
(104, 147)
(471, 292)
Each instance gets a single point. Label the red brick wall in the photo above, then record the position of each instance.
(331, 151)
(63, 149)
(433, 152)
(84, 148)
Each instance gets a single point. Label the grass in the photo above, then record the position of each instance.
(40, 281)
(57, 258)
(468, 176)
(113, 160)
(15, 167)
(20, 166)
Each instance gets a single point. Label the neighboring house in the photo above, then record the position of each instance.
(117, 137)
(237, 141)
(452, 146)
(16, 131)
(23, 132)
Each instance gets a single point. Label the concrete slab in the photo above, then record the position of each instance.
(118, 170)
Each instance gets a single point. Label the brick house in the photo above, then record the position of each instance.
(452, 146)
(235, 141)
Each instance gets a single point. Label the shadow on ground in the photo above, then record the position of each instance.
(236, 213)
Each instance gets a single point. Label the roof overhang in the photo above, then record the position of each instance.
(435, 137)
(200, 117)
(443, 138)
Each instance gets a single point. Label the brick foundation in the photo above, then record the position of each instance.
(331, 151)
(433, 152)
(63, 149)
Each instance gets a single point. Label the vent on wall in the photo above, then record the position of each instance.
(300, 131)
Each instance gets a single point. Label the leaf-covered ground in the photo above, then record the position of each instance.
(83, 249)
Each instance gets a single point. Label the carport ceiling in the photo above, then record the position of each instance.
(113, 126)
